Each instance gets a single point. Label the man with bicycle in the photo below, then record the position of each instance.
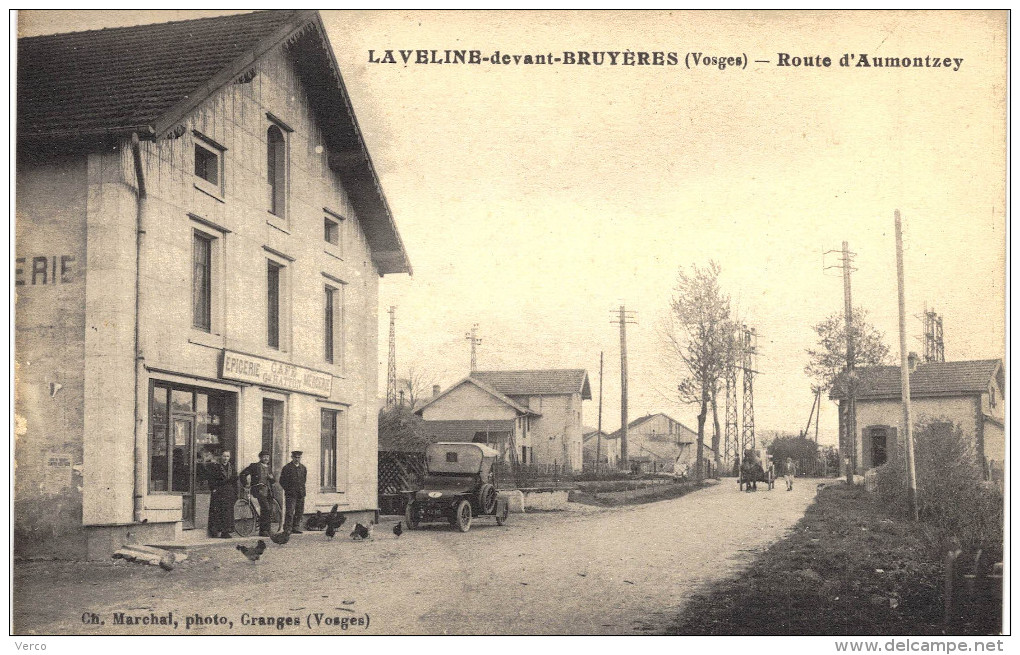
(259, 475)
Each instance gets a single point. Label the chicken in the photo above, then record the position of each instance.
(360, 532)
(398, 530)
(281, 537)
(316, 522)
(253, 552)
(333, 522)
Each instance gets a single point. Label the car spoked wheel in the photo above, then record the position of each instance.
(463, 516)
(487, 499)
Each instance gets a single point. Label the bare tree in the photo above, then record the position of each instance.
(697, 333)
(416, 388)
(828, 365)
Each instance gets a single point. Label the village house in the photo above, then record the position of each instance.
(657, 443)
(200, 236)
(967, 393)
(608, 448)
(536, 413)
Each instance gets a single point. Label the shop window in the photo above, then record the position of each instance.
(328, 450)
(276, 170)
(201, 284)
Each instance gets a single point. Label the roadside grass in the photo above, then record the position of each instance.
(848, 568)
(648, 494)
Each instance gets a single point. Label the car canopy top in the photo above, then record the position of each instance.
(458, 457)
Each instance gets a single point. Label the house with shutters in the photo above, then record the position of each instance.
(967, 393)
(533, 417)
(200, 236)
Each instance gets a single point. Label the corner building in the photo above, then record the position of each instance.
(200, 237)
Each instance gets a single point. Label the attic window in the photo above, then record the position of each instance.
(991, 396)
(207, 165)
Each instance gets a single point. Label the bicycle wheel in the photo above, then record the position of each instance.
(275, 517)
(244, 517)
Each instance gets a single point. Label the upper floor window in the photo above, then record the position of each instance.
(273, 303)
(276, 170)
(331, 231)
(208, 165)
(201, 289)
(991, 396)
(330, 323)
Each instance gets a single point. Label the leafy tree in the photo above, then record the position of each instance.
(801, 450)
(401, 429)
(827, 363)
(698, 333)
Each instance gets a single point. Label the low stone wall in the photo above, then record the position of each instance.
(544, 499)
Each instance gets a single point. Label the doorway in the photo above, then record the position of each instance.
(879, 454)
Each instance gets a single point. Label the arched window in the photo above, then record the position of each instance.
(277, 170)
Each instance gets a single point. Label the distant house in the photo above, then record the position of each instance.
(660, 443)
(538, 413)
(968, 393)
(608, 447)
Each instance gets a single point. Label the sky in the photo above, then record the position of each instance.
(535, 200)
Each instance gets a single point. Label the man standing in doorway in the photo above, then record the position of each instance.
(292, 479)
(261, 476)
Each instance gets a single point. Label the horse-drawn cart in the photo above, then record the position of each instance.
(756, 466)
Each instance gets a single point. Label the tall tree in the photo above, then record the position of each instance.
(697, 333)
(828, 366)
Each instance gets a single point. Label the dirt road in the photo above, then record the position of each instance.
(590, 571)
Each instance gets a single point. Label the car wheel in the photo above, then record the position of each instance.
(487, 499)
(463, 516)
(501, 517)
(410, 517)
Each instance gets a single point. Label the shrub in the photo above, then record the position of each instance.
(952, 497)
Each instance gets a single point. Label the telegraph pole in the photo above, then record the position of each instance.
(623, 318)
(905, 373)
(598, 435)
(851, 417)
(472, 336)
(391, 365)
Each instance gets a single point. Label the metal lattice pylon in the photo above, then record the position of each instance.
(750, 339)
(732, 447)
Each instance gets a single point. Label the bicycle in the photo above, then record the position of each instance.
(246, 512)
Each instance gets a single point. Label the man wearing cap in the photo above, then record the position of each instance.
(260, 475)
(292, 479)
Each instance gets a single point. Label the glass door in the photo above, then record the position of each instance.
(183, 459)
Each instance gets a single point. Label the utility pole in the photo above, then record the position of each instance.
(472, 336)
(598, 435)
(905, 373)
(818, 401)
(391, 365)
(851, 417)
(624, 317)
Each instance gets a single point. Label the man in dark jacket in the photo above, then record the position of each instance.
(292, 479)
(261, 476)
(222, 483)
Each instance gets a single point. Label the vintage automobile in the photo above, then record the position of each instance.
(460, 484)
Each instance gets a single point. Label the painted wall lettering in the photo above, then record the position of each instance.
(54, 269)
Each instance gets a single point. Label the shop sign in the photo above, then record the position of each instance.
(257, 370)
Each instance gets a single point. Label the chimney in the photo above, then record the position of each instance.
(912, 360)
(435, 390)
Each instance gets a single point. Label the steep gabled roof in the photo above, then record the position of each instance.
(82, 87)
(538, 383)
(124, 79)
(487, 389)
(929, 379)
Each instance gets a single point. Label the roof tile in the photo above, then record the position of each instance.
(540, 382)
(927, 379)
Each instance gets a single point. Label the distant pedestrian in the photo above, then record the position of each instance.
(790, 470)
(292, 479)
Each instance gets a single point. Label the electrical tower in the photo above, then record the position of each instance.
(848, 440)
(732, 446)
(749, 349)
(472, 336)
(934, 349)
(623, 317)
(391, 364)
